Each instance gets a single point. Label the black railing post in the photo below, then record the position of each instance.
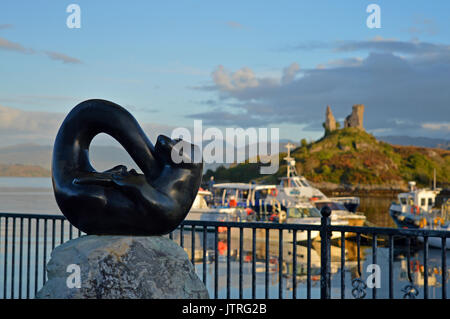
(325, 283)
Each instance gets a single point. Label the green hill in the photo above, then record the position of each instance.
(354, 158)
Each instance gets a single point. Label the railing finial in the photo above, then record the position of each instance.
(325, 257)
(325, 211)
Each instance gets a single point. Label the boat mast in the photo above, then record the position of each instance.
(434, 179)
(290, 160)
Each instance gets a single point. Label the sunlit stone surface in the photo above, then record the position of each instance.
(122, 267)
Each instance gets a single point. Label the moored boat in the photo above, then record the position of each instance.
(439, 223)
(201, 210)
(295, 189)
(415, 209)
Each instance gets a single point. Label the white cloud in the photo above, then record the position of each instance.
(5, 44)
(235, 25)
(62, 57)
(8, 45)
(290, 72)
(437, 126)
(241, 79)
(18, 126)
(354, 61)
(38, 100)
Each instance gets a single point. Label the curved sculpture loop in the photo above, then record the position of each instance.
(118, 201)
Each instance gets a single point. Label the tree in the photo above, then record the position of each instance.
(326, 170)
(304, 142)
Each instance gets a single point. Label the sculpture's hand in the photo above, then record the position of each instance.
(101, 178)
(177, 153)
(173, 181)
(117, 169)
(129, 179)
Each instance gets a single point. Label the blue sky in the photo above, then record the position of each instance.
(172, 62)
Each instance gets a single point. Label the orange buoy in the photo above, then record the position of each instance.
(221, 229)
(221, 247)
(249, 211)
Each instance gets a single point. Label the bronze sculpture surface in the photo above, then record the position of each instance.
(118, 201)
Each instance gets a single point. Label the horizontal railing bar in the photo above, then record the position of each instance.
(40, 216)
(263, 225)
(390, 231)
(188, 222)
(251, 225)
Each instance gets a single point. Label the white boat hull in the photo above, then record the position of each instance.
(436, 242)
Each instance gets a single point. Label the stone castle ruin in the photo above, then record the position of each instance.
(355, 119)
(330, 121)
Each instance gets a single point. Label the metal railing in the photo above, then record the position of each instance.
(276, 251)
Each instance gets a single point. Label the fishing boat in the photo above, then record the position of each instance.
(201, 210)
(242, 196)
(442, 223)
(415, 209)
(340, 212)
(309, 214)
(231, 194)
(295, 189)
(232, 202)
(258, 206)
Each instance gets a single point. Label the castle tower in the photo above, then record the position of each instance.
(330, 121)
(356, 118)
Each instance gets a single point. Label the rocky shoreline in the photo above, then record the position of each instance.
(331, 189)
(334, 190)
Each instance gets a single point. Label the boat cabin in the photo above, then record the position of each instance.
(418, 199)
(232, 194)
(201, 200)
(298, 187)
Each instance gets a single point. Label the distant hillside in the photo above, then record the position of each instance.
(26, 154)
(18, 170)
(354, 158)
(416, 141)
(102, 157)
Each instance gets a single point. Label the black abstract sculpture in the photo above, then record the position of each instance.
(118, 201)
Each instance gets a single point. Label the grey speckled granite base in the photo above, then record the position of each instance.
(123, 267)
